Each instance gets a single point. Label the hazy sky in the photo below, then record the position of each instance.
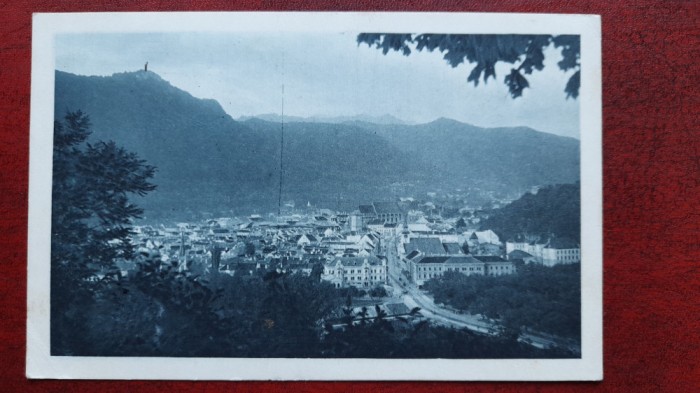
(324, 75)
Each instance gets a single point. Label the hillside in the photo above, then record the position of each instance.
(272, 117)
(492, 159)
(552, 211)
(209, 162)
(205, 160)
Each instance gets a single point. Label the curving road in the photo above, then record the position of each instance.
(414, 297)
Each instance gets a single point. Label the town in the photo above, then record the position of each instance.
(180, 230)
(379, 248)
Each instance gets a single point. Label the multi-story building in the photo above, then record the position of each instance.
(384, 212)
(390, 230)
(561, 251)
(495, 265)
(554, 252)
(355, 222)
(360, 272)
(428, 258)
(389, 212)
(367, 213)
(424, 268)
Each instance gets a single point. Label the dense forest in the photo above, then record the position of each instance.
(554, 211)
(544, 299)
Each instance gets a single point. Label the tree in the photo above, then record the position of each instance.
(249, 249)
(541, 298)
(485, 50)
(461, 224)
(90, 218)
(465, 248)
(378, 291)
(553, 212)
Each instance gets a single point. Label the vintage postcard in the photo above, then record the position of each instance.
(315, 196)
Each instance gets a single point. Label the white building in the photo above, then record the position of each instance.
(390, 230)
(487, 236)
(424, 268)
(561, 251)
(360, 272)
(355, 222)
(554, 252)
(427, 267)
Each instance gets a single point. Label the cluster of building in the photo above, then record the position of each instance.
(348, 249)
(246, 245)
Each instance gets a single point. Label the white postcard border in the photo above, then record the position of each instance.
(41, 365)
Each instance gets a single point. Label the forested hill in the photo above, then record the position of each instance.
(207, 161)
(552, 211)
(489, 158)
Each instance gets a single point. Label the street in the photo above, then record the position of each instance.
(414, 297)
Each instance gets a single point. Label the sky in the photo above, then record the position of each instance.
(326, 75)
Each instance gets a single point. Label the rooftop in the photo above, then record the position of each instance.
(519, 254)
(356, 261)
(367, 209)
(461, 259)
(452, 248)
(489, 258)
(386, 208)
(562, 244)
(412, 254)
(426, 245)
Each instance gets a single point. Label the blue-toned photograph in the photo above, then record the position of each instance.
(316, 195)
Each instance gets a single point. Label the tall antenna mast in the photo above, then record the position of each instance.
(279, 196)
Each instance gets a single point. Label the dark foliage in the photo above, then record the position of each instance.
(544, 299)
(555, 211)
(485, 50)
(249, 249)
(417, 339)
(157, 311)
(90, 218)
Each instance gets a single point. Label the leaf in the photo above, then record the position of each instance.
(516, 83)
(573, 85)
(485, 51)
(475, 74)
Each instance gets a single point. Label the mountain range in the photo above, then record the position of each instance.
(207, 161)
(273, 117)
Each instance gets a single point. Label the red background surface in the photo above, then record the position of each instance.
(651, 194)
